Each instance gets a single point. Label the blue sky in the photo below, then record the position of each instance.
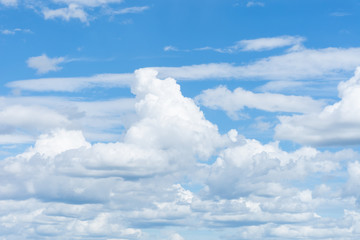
(179, 120)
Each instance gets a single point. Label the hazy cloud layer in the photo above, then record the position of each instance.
(329, 63)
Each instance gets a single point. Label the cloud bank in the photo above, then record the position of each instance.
(65, 187)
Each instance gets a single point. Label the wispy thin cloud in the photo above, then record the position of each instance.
(255, 4)
(14, 31)
(9, 3)
(259, 44)
(340, 14)
(129, 10)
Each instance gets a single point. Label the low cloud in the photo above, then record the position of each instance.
(65, 187)
(255, 4)
(72, 11)
(232, 102)
(44, 64)
(14, 31)
(336, 124)
(130, 10)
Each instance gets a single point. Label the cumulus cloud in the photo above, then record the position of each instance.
(71, 11)
(232, 102)
(44, 64)
(24, 118)
(30, 118)
(336, 124)
(66, 187)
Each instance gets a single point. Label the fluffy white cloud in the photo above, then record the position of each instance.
(336, 124)
(24, 118)
(71, 11)
(65, 187)
(231, 102)
(44, 64)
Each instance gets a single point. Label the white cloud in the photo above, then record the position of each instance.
(9, 2)
(302, 64)
(30, 117)
(336, 124)
(255, 4)
(130, 10)
(170, 48)
(262, 44)
(65, 187)
(24, 118)
(88, 3)
(44, 64)
(176, 236)
(78, 9)
(330, 63)
(73, 84)
(15, 30)
(72, 11)
(232, 102)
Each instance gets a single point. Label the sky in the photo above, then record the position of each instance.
(179, 119)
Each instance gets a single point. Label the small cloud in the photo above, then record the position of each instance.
(170, 48)
(44, 64)
(262, 44)
(13, 31)
(255, 4)
(127, 21)
(72, 11)
(130, 10)
(9, 3)
(340, 14)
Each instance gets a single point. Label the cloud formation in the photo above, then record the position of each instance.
(296, 65)
(44, 64)
(234, 101)
(336, 124)
(285, 69)
(71, 11)
(65, 187)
